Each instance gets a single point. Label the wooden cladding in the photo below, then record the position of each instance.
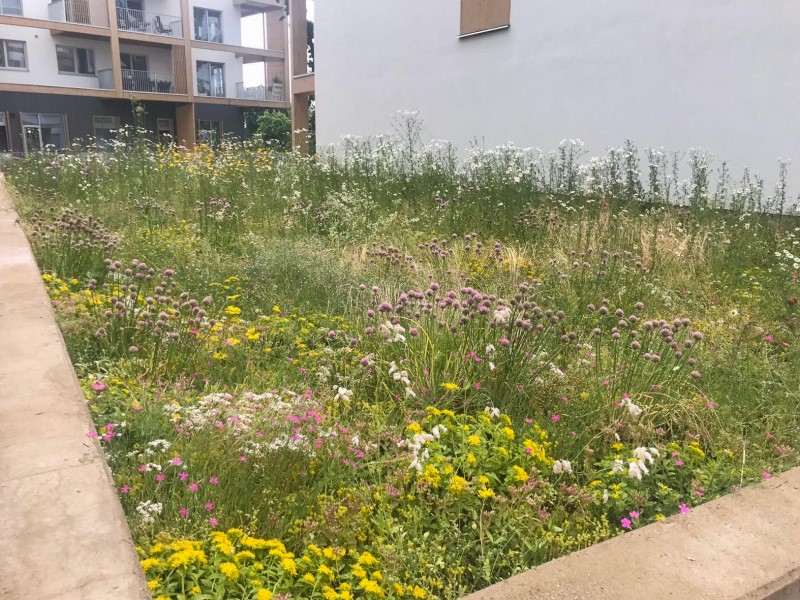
(179, 69)
(484, 15)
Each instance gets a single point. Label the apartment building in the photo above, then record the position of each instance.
(715, 74)
(70, 68)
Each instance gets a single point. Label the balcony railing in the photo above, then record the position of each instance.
(80, 12)
(148, 81)
(141, 21)
(272, 93)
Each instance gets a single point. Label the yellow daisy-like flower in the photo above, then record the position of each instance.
(233, 310)
(264, 595)
(153, 584)
(509, 433)
(450, 387)
(471, 458)
(309, 578)
(359, 571)
(474, 440)
(367, 559)
(457, 485)
(519, 474)
(418, 592)
(230, 570)
(484, 494)
(149, 563)
(371, 587)
(329, 593)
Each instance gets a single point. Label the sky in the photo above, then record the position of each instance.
(252, 37)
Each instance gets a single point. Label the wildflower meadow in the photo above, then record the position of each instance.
(398, 371)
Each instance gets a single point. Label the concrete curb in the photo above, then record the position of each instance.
(63, 530)
(743, 546)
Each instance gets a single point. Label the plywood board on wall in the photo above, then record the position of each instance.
(482, 15)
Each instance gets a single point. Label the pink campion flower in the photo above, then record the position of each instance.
(219, 425)
(98, 386)
(528, 421)
(193, 487)
(160, 477)
(625, 522)
(477, 385)
(124, 489)
(243, 458)
(684, 509)
(769, 338)
(213, 480)
(213, 522)
(766, 475)
(183, 476)
(137, 407)
(565, 400)
(573, 433)
(605, 382)
(555, 418)
(142, 468)
(184, 512)
(678, 463)
(176, 460)
(209, 506)
(634, 514)
(676, 453)
(92, 435)
(710, 405)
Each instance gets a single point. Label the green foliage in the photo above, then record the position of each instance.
(275, 129)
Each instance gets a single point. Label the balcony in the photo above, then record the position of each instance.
(271, 93)
(79, 12)
(152, 82)
(140, 21)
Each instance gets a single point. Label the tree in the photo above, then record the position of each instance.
(275, 129)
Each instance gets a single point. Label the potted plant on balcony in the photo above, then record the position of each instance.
(275, 90)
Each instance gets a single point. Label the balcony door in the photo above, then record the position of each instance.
(210, 79)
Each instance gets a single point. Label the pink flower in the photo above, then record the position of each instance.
(213, 522)
(766, 475)
(769, 338)
(477, 385)
(142, 468)
(605, 382)
(625, 522)
(634, 515)
(124, 489)
(209, 506)
(676, 453)
(183, 476)
(528, 421)
(678, 463)
(528, 451)
(243, 458)
(710, 405)
(768, 435)
(194, 486)
(700, 493)
(176, 460)
(160, 477)
(504, 342)
(555, 418)
(684, 509)
(92, 435)
(213, 480)
(98, 386)
(184, 512)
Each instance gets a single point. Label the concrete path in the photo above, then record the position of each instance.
(742, 546)
(63, 534)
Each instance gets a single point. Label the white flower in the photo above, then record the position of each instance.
(641, 454)
(635, 471)
(618, 467)
(605, 496)
(343, 394)
(562, 466)
(633, 409)
(490, 350)
(492, 412)
(501, 316)
(410, 393)
(438, 430)
(392, 332)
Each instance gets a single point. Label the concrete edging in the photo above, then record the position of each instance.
(743, 546)
(62, 526)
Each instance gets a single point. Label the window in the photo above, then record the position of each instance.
(482, 16)
(163, 128)
(12, 55)
(4, 143)
(209, 132)
(75, 60)
(210, 79)
(133, 62)
(44, 130)
(11, 7)
(105, 128)
(208, 25)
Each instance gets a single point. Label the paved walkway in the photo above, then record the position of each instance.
(63, 535)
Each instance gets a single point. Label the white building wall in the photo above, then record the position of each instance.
(233, 67)
(42, 60)
(717, 74)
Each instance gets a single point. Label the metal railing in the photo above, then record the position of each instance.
(272, 93)
(81, 12)
(148, 81)
(129, 19)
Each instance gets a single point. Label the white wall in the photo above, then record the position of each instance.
(233, 67)
(42, 60)
(718, 74)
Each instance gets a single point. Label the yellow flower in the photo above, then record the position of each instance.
(153, 584)
(484, 494)
(618, 446)
(519, 474)
(509, 432)
(450, 387)
(474, 440)
(457, 485)
(220, 356)
(659, 517)
(376, 575)
(264, 595)
(367, 559)
(232, 341)
(471, 458)
(418, 592)
(371, 587)
(233, 310)
(359, 571)
(244, 554)
(325, 570)
(195, 590)
(149, 563)
(276, 309)
(414, 428)
(432, 476)
(229, 570)
(309, 578)
(329, 593)
(288, 565)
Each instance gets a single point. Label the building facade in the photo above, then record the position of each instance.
(718, 74)
(70, 68)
